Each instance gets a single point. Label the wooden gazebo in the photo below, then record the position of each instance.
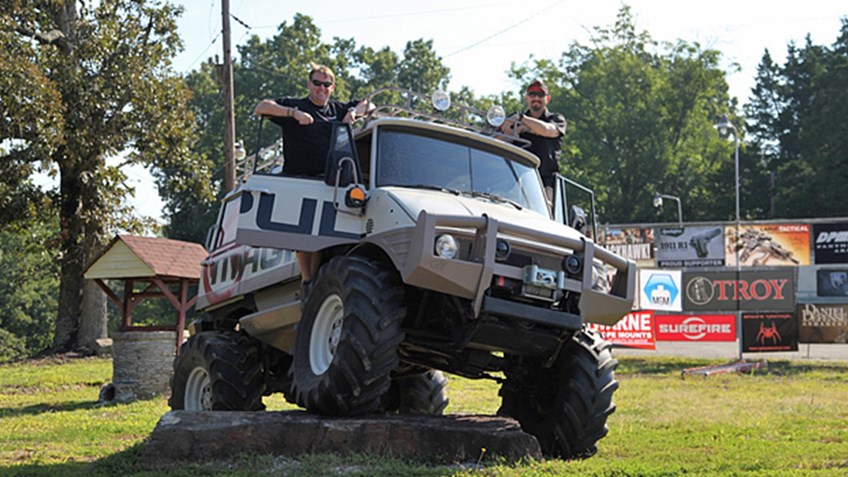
(167, 268)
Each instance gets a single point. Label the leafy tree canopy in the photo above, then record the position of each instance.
(640, 122)
(83, 82)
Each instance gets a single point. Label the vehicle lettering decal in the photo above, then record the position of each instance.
(222, 275)
(246, 202)
(304, 224)
(328, 223)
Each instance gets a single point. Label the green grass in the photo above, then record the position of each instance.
(790, 419)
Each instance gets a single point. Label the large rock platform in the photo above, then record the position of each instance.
(185, 436)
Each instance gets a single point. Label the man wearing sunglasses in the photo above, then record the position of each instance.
(306, 121)
(544, 129)
(306, 124)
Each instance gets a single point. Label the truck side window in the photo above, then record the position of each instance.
(363, 150)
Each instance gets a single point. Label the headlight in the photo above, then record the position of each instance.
(572, 265)
(446, 246)
(441, 100)
(502, 249)
(495, 116)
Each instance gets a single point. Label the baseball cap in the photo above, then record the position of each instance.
(538, 85)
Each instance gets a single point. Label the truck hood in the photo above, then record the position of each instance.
(413, 201)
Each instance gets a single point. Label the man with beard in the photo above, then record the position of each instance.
(544, 129)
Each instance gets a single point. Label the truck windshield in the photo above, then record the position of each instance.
(423, 161)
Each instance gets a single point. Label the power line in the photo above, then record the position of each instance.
(401, 15)
(535, 14)
(201, 55)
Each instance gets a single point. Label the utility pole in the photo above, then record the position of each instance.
(229, 115)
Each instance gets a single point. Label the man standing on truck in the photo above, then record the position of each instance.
(544, 129)
(306, 124)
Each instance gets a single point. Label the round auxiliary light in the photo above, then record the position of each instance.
(446, 246)
(495, 116)
(441, 100)
(239, 153)
(572, 265)
(502, 249)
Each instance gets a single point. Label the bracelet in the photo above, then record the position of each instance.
(292, 111)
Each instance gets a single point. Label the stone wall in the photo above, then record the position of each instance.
(142, 364)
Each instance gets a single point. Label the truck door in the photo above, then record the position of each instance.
(305, 213)
(574, 205)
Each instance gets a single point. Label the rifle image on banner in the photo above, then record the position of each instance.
(752, 242)
(699, 242)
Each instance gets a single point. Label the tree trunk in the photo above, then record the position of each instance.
(72, 256)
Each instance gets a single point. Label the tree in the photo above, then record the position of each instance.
(86, 82)
(796, 115)
(640, 122)
(30, 280)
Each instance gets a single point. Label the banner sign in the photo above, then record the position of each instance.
(635, 330)
(763, 332)
(635, 244)
(660, 290)
(818, 323)
(769, 245)
(832, 282)
(830, 242)
(690, 247)
(695, 327)
(752, 290)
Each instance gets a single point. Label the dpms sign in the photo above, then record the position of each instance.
(772, 290)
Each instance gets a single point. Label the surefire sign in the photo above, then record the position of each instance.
(695, 327)
(635, 330)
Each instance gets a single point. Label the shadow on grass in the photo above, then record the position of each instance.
(36, 409)
(116, 464)
(119, 464)
(123, 464)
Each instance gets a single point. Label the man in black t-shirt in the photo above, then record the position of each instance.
(544, 130)
(306, 124)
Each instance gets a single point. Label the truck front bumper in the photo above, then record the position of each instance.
(470, 276)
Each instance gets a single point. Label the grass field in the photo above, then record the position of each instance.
(791, 419)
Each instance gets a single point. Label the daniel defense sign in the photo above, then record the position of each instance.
(748, 290)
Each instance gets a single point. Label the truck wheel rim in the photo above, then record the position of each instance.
(198, 395)
(326, 334)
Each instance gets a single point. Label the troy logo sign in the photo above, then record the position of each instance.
(757, 290)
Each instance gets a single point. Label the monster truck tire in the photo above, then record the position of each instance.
(566, 407)
(417, 393)
(347, 339)
(217, 370)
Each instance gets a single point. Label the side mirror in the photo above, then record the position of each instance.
(577, 218)
(342, 165)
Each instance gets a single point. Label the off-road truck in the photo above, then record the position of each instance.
(439, 253)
